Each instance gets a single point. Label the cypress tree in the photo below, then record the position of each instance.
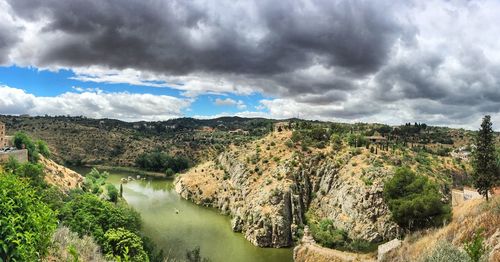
(484, 159)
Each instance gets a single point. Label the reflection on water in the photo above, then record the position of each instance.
(158, 204)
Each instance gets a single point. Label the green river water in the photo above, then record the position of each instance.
(157, 202)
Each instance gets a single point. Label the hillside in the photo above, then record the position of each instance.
(83, 141)
(469, 218)
(60, 176)
(274, 186)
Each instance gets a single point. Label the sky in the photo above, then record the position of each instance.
(385, 61)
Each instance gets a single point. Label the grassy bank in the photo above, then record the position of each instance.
(124, 169)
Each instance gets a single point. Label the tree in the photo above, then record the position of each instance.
(26, 223)
(485, 172)
(22, 140)
(414, 201)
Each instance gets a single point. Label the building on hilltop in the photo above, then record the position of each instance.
(5, 140)
(2, 134)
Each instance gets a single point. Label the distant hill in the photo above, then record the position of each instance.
(86, 141)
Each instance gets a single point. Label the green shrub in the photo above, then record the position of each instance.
(414, 201)
(327, 235)
(445, 252)
(33, 172)
(53, 197)
(86, 214)
(336, 141)
(123, 245)
(475, 248)
(169, 172)
(360, 245)
(21, 140)
(26, 223)
(94, 180)
(357, 140)
(43, 148)
(112, 193)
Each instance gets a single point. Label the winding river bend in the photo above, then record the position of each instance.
(193, 225)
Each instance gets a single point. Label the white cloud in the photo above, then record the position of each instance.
(122, 105)
(230, 102)
(443, 67)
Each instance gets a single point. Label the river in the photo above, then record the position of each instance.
(193, 225)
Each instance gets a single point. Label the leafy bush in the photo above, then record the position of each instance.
(121, 244)
(360, 245)
(414, 201)
(26, 223)
(336, 141)
(43, 148)
(327, 235)
(445, 252)
(86, 214)
(94, 180)
(33, 172)
(475, 247)
(53, 197)
(112, 193)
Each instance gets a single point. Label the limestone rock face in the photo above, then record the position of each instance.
(269, 208)
(60, 176)
(353, 205)
(261, 210)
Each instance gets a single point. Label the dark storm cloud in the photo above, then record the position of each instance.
(161, 36)
(8, 39)
(339, 58)
(323, 99)
(472, 81)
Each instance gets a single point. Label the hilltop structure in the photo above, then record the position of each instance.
(7, 149)
(2, 134)
(5, 141)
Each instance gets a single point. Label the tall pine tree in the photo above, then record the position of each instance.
(484, 159)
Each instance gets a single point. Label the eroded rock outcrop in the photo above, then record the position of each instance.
(60, 176)
(268, 202)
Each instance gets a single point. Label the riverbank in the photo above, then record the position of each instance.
(176, 225)
(123, 169)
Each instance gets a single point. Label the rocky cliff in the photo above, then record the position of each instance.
(268, 191)
(60, 176)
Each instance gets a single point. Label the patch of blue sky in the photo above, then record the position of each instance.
(50, 83)
(45, 83)
(205, 105)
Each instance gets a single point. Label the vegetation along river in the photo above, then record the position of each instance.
(193, 225)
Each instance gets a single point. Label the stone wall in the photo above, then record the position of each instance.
(20, 155)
